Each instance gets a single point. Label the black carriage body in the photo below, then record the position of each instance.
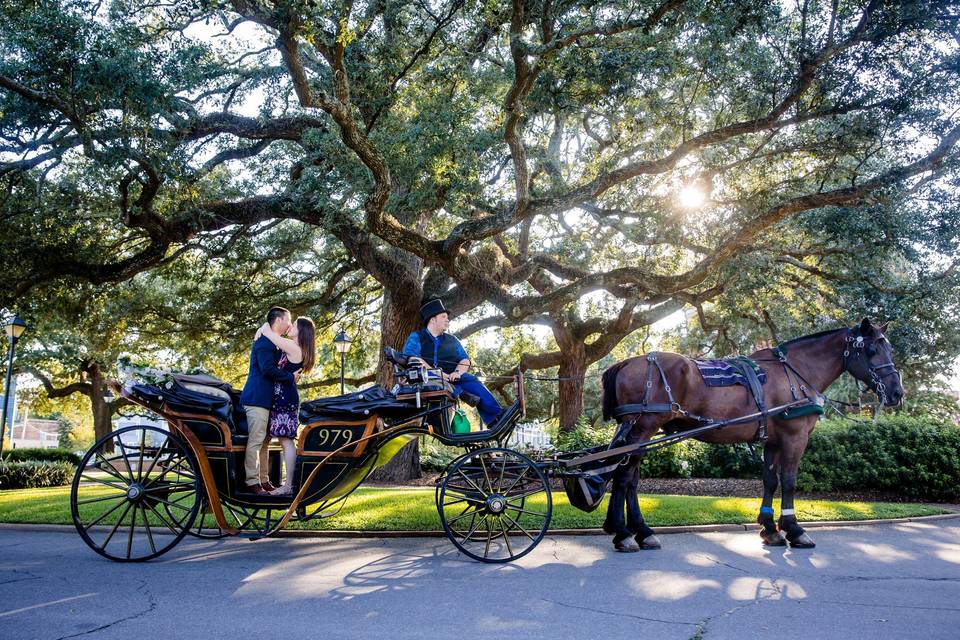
(341, 441)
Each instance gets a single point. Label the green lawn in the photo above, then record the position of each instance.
(376, 509)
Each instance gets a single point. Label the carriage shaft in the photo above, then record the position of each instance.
(673, 438)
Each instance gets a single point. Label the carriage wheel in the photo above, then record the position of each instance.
(484, 507)
(204, 527)
(136, 494)
(255, 522)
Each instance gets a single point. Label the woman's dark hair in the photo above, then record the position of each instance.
(307, 339)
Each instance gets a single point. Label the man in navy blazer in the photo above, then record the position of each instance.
(257, 399)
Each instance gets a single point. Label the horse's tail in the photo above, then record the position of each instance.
(610, 389)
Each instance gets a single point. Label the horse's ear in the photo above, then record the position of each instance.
(883, 327)
(866, 328)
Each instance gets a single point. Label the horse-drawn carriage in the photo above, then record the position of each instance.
(141, 489)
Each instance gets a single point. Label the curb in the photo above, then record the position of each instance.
(696, 528)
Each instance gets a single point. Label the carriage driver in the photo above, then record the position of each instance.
(433, 347)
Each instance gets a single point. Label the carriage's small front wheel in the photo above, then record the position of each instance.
(136, 494)
(491, 506)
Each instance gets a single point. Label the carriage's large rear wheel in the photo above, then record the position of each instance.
(491, 506)
(136, 494)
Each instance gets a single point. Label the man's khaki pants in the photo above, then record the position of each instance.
(256, 463)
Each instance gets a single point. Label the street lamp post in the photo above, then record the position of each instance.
(342, 343)
(14, 328)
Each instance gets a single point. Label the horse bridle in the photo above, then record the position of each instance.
(856, 347)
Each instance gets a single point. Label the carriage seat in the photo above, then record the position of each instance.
(208, 385)
(359, 405)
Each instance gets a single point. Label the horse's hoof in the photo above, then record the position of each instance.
(627, 545)
(608, 529)
(772, 538)
(803, 541)
(649, 543)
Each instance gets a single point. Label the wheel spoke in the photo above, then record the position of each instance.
(525, 469)
(503, 468)
(171, 504)
(105, 482)
(486, 548)
(506, 536)
(179, 462)
(517, 525)
(170, 488)
(526, 494)
(133, 525)
(463, 514)
(146, 524)
(109, 468)
(102, 498)
(164, 521)
(116, 526)
(485, 474)
(473, 527)
(104, 515)
(143, 445)
(522, 510)
(472, 483)
(126, 460)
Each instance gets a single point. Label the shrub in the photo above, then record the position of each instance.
(435, 456)
(32, 474)
(584, 435)
(42, 455)
(725, 460)
(914, 457)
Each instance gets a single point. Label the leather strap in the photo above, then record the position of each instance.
(756, 389)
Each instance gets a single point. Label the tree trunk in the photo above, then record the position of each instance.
(400, 317)
(102, 412)
(573, 366)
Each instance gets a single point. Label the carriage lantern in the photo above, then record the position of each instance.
(14, 328)
(342, 342)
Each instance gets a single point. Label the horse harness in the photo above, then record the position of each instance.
(854, 347)
(753, 384)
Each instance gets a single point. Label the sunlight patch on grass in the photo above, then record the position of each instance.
(412, 509)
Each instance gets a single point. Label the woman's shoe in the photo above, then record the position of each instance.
(282, 491)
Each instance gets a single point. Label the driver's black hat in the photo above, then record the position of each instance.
(433, 308)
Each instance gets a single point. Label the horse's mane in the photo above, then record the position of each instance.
(812, 336)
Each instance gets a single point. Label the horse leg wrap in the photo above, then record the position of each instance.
(768, 531)
(795, 533)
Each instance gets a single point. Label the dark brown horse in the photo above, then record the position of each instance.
(679, 400)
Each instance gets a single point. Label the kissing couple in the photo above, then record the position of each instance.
(282, 351)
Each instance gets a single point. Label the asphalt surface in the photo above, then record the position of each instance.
(877, 581)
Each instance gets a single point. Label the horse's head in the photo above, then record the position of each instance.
(868, 357)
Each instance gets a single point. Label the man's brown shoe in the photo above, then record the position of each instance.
(267, 486)
(256, 489)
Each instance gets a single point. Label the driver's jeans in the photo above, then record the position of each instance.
(488, 408)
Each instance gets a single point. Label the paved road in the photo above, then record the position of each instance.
(882, 581)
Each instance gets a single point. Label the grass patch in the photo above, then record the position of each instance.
(377, 509)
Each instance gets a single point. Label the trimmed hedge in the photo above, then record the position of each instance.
(42, 455)
(917, 458)
(33, 474)
(914, 457)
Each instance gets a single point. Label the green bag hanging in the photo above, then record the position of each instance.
(461, 424)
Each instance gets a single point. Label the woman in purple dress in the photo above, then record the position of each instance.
(299, 355)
